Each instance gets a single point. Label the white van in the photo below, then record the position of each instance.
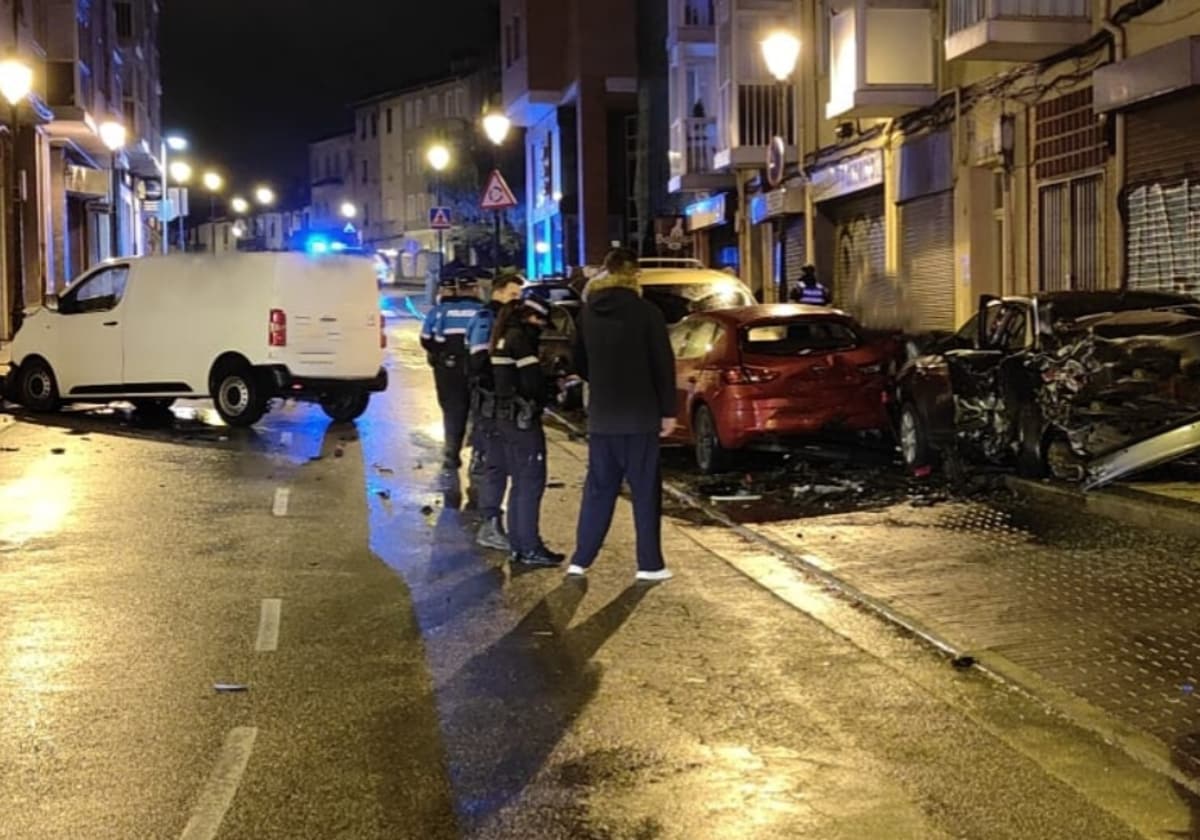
(240, 328)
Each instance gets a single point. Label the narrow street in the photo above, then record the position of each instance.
(289, 633)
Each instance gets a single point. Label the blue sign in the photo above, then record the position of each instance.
(707, 213)
(439, 218)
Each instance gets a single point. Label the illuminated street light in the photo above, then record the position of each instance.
(181, 171)
(177, 144)
(496, 126)
(239, 205)
(239, 229)
(112, 135)
(348, 210)
(438, 157)
(264, 196)
(213, 182)
(16, 80)
(781, 50)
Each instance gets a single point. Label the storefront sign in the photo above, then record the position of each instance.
(849, 176)
(776, 203)
(705, 214)
(670, 237)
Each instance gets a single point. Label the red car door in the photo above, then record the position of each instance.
(690, 370)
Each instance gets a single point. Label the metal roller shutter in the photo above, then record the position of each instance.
(927, 260)
(795, 256)
(1162, 142)
(860, 245)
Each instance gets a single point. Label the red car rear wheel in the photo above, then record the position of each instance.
(711, 457)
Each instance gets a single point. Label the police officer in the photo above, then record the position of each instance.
(444, 337)
(809, 289)
(489, 466)
(521, 395)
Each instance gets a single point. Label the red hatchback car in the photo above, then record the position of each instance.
(764, 376)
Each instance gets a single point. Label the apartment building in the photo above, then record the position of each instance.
(943, 148)
(392, 184)
(331, 173)
(569, 72)
(93, 61)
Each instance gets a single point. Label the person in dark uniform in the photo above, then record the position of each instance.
(809, 290)
(490, 468)
(521, 394)
(444, 337)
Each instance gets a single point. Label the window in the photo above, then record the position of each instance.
(362, 127)
(410, 207)
(799, 338)
(408, 163)
(349, 162)
(1006, 327)
(374, 125)
(389, 120)
(701, 340)
(408, 115)
(449, 105)
(433, 105)
(366, 213)
(1071, 236)
(124, 11)
(460, 103)
(419, 112)
(516, 38)
(364, 172)
(101, 292)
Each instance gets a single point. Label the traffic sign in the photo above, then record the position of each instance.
(776, 161)
(439, 218)
(497, 195)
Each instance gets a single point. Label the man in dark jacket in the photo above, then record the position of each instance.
(625, 355)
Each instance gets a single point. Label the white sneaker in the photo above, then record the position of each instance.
(576, 571)
(661, 574)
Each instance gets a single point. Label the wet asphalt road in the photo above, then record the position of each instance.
(419, 688)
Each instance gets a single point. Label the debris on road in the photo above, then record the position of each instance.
(554, 484)
(230, 688)
(963, 663)
(58, 450)
(383, 493)
(382, 470)
(736, 497)
(338, 452)
(427, 510)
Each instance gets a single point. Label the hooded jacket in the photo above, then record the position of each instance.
(625, 355)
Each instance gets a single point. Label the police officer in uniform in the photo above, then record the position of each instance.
(809, 289)
(444, 337)
(521, 396)
(489, 466)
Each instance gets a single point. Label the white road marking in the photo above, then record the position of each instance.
(282, 495)
(222, 785)
(285, 438)
(268, 625)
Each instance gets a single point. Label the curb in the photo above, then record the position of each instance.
(1123, 504)
(1143, 748)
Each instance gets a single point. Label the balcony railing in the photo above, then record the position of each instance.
(963, 14)
(758, 113)
(693, 144)
(692, 13)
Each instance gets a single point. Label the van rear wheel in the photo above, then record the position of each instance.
(345, 406)
(238, 396)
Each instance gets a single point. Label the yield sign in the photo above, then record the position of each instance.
(497, 195)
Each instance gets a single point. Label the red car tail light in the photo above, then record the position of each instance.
(277, 329)
(382, 331)
(749, 375)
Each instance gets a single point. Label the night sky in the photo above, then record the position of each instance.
(250, 82)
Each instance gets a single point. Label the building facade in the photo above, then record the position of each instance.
(331, 172)
(569, 72)
(943, 149)
(94, 61)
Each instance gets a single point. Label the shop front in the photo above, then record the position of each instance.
(1159, 98)
(709, 222)
(925, 194)
(780, 233)
(849, 230)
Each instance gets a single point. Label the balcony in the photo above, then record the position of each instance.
(693, 149)
(750, 117)
(70, 95)
(1014, 30)
(691, 21)
(881, 59)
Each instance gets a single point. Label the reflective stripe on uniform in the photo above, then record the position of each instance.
(455, 331)
(480, 348)
(503, 360)
(526, 361)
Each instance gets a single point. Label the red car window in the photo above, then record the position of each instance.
(799, 338)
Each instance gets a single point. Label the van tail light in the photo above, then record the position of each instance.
(382, 331)
(749, 375)
(277, 329)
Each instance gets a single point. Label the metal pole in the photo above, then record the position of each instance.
(115, 242)
(18, 302)
(441, 241)
(182, 235)
(212, 220)
(496, 243)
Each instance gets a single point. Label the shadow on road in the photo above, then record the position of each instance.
(507, 708)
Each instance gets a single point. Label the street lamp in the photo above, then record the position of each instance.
(181, 173)
(239, 205)
(439, 158)
(214, 183)
(496, 126)
(781, 50)
(177, 144)
(173, 144)
(16, 80)
(264, 195)
(112, 135)
(348, 210)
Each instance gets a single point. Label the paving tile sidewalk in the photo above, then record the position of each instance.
(1105, 612)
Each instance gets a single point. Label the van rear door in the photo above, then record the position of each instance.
(326, 321)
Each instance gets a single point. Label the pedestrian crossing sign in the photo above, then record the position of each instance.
(439, 218)
(497, 195)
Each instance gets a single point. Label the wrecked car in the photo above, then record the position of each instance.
(1087, 386)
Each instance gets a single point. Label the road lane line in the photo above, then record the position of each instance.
(282, 495)
(222, 785)
(268, 625)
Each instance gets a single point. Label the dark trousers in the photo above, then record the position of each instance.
(490, 465)
(454, 397)
(612, 459)
(525, 452)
